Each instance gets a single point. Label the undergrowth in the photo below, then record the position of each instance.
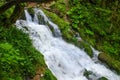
(18, 58)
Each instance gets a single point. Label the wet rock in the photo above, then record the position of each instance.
(103, 78)
(86, 47)
(87, 73)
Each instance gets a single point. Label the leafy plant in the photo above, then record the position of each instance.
(10, 61)
(18, 57)
(97, 24)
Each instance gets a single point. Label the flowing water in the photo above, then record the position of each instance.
(66, 61)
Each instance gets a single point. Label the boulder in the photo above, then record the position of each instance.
(110, 61)
(103, 78)
(84, 45)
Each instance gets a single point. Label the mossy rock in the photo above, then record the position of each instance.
(57, 20)
(86, 47)
(63, 25)
(48, 76)
(103, 78)
(110, 61)
(87, 73)
(31, 12)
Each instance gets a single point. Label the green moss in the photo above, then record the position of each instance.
(31, 11)
(103, 78)
(86, 47)
(56, 19)
(87, 73)
(48, 76)
(63, 25)
(110, 61)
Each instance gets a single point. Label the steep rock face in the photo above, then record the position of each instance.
(112, 63)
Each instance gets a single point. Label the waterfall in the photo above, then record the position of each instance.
(66, 61)
(28, 17)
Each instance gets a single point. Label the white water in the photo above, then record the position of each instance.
(66, 61)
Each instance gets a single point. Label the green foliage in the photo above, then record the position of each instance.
(97, 24)
(59, 7)
(2, 2)
(48, 76)
(18, 57)
(63, 25)
(4, 16)
(88, 17)
(31, 11)
(68, 34)
(10, 61)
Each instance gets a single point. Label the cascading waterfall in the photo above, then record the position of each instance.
(66, 61)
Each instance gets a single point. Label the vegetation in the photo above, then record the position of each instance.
(17, 10)
(111, 62)
(19, 60)
(96, 25)
(97, 22)
(88, 73)
(102, 78)
(68, 33)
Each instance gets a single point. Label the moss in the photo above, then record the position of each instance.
(110, 61)
(48, 76)
(63, 25)
(103, 78)
(86, 47)
(56, 19)
(87, 73)
(31, 12)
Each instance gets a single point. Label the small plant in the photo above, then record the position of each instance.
(10, 61)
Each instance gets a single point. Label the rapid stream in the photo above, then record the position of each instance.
(66, 61)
